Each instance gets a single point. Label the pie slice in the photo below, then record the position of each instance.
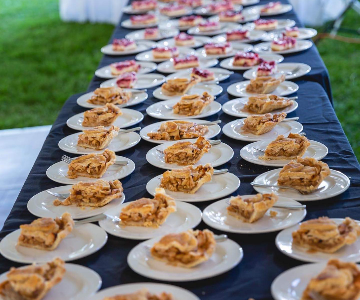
(266, 24)
(192, 105)
(143, 294)
(290, 147)
(266, 68)
(262, 124)
(91, 165)
(147, 212)
(338, 281)
(92, 194)
(188, 179)
(292, 32)
(179, 86)
(190, 21)
(101, 116)
(205, 75)
(263, 104)
(98, 138)
(186, 153)
(303, 174)
(32, 282)
(122, 67)
(45, 233)
(186, 249)
(264, 84)
(113, 95)
(251, 209)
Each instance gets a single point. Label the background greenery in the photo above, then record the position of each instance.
(44, 61)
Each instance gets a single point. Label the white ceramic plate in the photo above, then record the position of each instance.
(128, 118)
(224, 28)
(233, 130)
(301, 45)
(203, 11)
(78, 283)
(154, 288)
(41, 205)
(219, 74)
(228, 62)
(199, 89)
(217, 156)
(216, 216)
(283, 68)
(168, 66)
(284, 242)
(249, 2)
(250, 154)
(143, 81)
(140, 47)
(214, 130)
(145, 67)
(186, 217)
(282, 24)
(254, 35)
(220, 186)
(235, 108)
(226, 256)
(163, 34)
(199, 41)
(83, 241)
(127, 23)
(58, 172)
(136, 98)
(238, 89)
(121, 142)
(236, 48)
(335, 184)
(129, 10)
(147, 56)
(284, 9)
(159, 111)
(304, 33)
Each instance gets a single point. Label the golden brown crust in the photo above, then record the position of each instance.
(179, 86)
(143, 294)
(113, 95)
(264, 84)
(262, 104)
(97, 138)
(192, 105)
(262, 124)
(101, 116)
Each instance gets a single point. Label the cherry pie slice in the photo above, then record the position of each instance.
(246, 59)
(126, 66)
(183, 39)
(186, 62)
(190, 21)
(205, 75)
(123, 45)
(266, 24)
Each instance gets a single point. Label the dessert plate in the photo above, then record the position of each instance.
(226, 256)
(203, 11)
(284, 242)
(282, 24)
(220, 186)
(219, 74)
(148, 56)
(199, 89)
(58, 172)
(214, 130)
(155, 288)
(186, 217)
(304, 33)
(224, 28)
(216, 216)
(143, 81)
(127, 23)
(130, 11)
(335, 184)
(163, 34)
(284, 68)
(301, 45)
(41, 205)
(249, 2)
(228, 62)
(217, 156)
(234, 131)
(235, 108)
(121, 142)
(162, 110)
(236, 48)
(251, 153)
(199, 41)
(86, 284)
(284, 9)
(285, 88)
(168, 66)
(145, 67)
(136, 98)
(254, 35)
(128, 118)
(83, 241)
(249, 15)
(140, 47)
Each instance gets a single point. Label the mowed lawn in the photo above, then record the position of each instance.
(44, 61)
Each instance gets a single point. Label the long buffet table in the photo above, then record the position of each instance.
(262, 261)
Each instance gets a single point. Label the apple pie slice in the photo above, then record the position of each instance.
(262, 124)
(45, 233)
(113, 95)
(251, 209)
(186, 153)
(91, 165)
(143, 294)
(303, 174)
(32, 282)
(147, 212)
(263, 104)
(179, 86)
(264, 84)
(192, 105)
(97, 138)
(188, 179)
(92, 194)
(186, 249)
(101, 116)
(290, 147)
(324, 235)
(338, 281)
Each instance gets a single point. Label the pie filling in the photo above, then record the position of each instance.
(97, 138)
(186, 62)
(220, 7)
(217, 48)
(124, 67)
(246, 59)
(143, 294)
(237, 34)
(123, 44)
(283, 43)
(271, 7)
(144, 4)
(190, 21)
(209, 26)
(264, 84)
(143, 19)
(262, 124)
(113, 95)
(266, 68)
(151, 32)
(165, 52)
(265, 23)
(263, 104)
(192, 105)
(205, 75)
(192, 3)
(101, 116)
(230, 15)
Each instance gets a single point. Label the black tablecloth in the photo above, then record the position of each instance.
(262, 261)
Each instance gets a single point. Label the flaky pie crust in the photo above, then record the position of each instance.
(101, 116)
(192, 105)
(97, 138)
(264, 84)
(179, 86)
(263, 104)
(113, 95)
(262, 124)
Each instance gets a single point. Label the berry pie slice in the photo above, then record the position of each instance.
(173, 10)
(190, 21)
(246, 59)
(122, 67)
(264, 84)
(215, 8)
(101, 116)
(266, 24)
(266, 68)
(183, 39)
(165, 52)
(218, 48)
(262, 124)
(179, 86)
(191, 3)
(292, 31)
(113, 95)
(143, 294)
(271, 7)
(144, 5)
(263, 104)
(98, 138)
(186, 62)
(237, 35)
(192, 105)
(209, 26)
(283, 43)
(230, 16)
(123, 45)
(144, 19)
(151, 33)
(205, 75)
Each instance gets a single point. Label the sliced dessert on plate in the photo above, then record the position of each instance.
(271, 7)
(122, 67)
(101, 116)
(192, 105)
(144, 19)
(264, 84)
(246, 59)
(263, 104)
(205, 26)
(173, 10)
(190, 21)
(126, 80)
(230, 16)
(218, 7)
(266, 24)
(151, 33)
(283, 43)
(123, 45)
(191, 3)
(292, 32)
(98, 138)
(218, 48)
(189, 61)
(165, 52)
(183, 39)
(143, 294)
(262, 124)
(179, 86)
(237, 35)
(144, 5)
(266, 68)
(112, 95)
(205, 75)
